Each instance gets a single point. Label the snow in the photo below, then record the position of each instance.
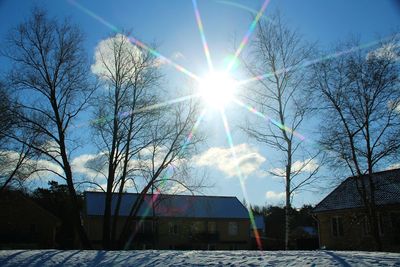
(196, 258)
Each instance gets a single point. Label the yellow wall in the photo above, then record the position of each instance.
(354, 237)
(188, 235)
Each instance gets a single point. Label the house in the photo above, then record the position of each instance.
(342, 221)
(24, 224)
(175, 221)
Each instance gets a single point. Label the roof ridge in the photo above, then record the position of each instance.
(130, 193)
(326, 203)
(374, 173)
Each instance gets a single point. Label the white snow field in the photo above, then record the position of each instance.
(196, 258)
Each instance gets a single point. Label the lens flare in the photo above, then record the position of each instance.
(168, 174)
(202, 35)
(217, 89)
(252, 11)
(135, 40)
(314, 61)
(248, 34)
(241, 179)
(269, 119)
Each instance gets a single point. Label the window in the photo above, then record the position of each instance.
(147, 226)
(232, 228)
(144, 227)
(367, 229)
(337, 226)
(366, 226)
(196, 227)
(173, 228)
(381, 223)
(212, 227)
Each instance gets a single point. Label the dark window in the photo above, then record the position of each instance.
(212, 227)
(337, 226)
(381, 223)
(366, 226)
(173, 228)
(147, 226)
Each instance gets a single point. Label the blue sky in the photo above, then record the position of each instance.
(172, 26)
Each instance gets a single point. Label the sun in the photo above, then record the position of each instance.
(217, 89)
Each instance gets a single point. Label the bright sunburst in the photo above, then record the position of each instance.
(217, 89)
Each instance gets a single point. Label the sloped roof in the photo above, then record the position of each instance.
(346, 196)
(179, 206)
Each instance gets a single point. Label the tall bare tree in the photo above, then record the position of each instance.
(172, 144)
(358, 94)
(50, 74)
(278, 54)
(130, 125)
(122, 123)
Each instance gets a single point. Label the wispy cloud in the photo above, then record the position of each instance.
(248, 159)
(275, 196)
(80, 164)
(308, 165)
(388, 51)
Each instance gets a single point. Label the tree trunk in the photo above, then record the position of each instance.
(68, 175)
(287, 208)
(373, 216)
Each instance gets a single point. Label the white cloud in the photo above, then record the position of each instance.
(275, 196)
(104, 65)
(247, 158)
(308, 165)
(45, 167)
(394, 105)
(80, 164)
(387, 51)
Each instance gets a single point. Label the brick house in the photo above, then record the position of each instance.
(341, 217)
(175, 221)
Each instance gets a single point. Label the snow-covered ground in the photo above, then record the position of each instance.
(195, 258)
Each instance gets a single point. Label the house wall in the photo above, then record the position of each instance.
(192, 233)
(23, 224)
(354, 234)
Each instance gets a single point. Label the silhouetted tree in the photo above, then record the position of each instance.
(50, 66)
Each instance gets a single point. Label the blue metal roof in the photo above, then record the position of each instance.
(179, 206)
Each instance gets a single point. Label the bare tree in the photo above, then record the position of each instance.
(172, 144)
(130, 125)
(358, 94)
(278, 54)
(122, 123)
(50, 74)
(16, 159)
